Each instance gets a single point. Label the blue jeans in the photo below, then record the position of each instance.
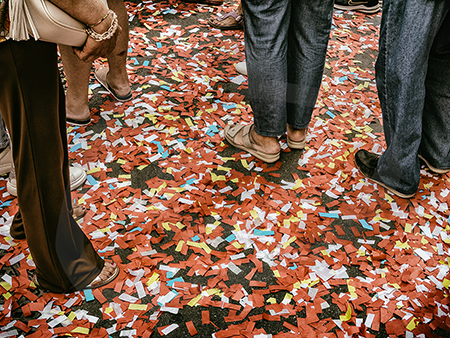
(285, 47)
(413, 81)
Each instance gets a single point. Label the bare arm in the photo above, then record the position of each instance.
(90, 12)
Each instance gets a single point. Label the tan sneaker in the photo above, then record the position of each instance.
(5, 160)
(77, 178)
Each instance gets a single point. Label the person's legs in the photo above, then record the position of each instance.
(407, 33)
(309, 33)
(266, 32)
(33, 110)
(78, 72)
(435, 145)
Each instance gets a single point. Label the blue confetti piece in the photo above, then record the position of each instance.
(119, 123)
(136, 62)
(171, 282)
(293, 267)
(166, 88)
(165, 154)
(230, 238)
(229, 106)
(328, 215)
(136, 229)
(209, 133)
(169, 274)
(158, 45)
(75, 147)
(330, 114)
(365, 225)
(145, 63)
(88, 295)
(130, 50)
(214, 129)
(6, 204)
(91, 180)
(195, 238)
(257, 232)
(111, 186)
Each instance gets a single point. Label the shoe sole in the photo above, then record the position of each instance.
(75, 184)
(433, 169)
(359, 8)
(395, 192)
(12, 189)
(268, 158)
(299, 145)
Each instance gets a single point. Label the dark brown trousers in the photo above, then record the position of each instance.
(32, 105)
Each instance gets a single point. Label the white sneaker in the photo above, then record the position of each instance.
(5, 160)
(77, 178)
(241, 67)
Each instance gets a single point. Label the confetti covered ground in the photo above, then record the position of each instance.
(214, 243)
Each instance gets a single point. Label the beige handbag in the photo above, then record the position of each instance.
(44, 21)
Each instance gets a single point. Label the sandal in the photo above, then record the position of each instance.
(81, 123)
(296, 144)
(99, 282)
(78, 211)
(96, 283)
(101, 77)
(238, 22)
(231, 131)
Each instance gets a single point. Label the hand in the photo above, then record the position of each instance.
(93, 49)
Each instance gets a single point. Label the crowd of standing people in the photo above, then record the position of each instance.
(286, 43)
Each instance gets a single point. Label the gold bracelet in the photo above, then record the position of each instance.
(106, 35)
(101, 20)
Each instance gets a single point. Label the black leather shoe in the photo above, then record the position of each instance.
(367, 162)
(433, 169)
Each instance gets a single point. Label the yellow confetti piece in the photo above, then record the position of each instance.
(154, 278)
(276, 273)
(408, 228)
(189, 122)
(7, 295)
(139, 307)
(395, 285)
(214, 292)
(291, 240)
(72, 316)
(80, 329)
(424, 241)
(348, 314)
(412, 324)
(297, 185)
(109, 310)
(125, 176)
(167, 226)
(208, 230)
(254, 214)
(94, 170)
(6, 285)
(143, 166)
(325, 253)
(195, 300)
(179, 246)
(205, 247)
(237, 245)
(216, 178)
(223, 168)
(113, 216)
(271, 300)
(244, 163)
(446, 282)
